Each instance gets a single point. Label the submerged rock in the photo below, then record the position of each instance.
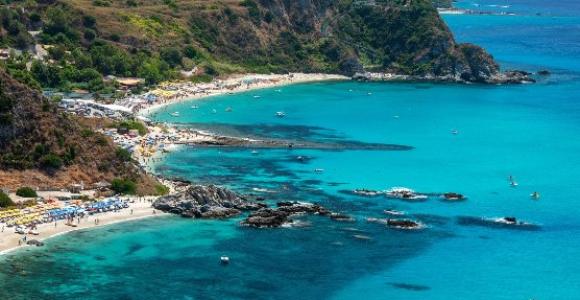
(500, 223)
(544, 73)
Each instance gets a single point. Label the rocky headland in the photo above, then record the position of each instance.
(213, 202)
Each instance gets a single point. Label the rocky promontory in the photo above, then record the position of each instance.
(208, 202)
(213, 202)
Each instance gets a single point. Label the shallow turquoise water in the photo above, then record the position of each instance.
(527, 131)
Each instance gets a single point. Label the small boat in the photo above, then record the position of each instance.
(280, 114)
(194, 107)
(455, 132)
(225, 260)
(318, 171)
(255, 152)
(175, 114)
(513, 184)
(535, 195)
(257, 97)
(214, 111)
(229, 109)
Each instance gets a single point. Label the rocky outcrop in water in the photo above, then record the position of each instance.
(282, 215)
(210, 202)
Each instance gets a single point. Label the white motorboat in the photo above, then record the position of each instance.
(175, 114)
(280, 114)
(225, 260)
(194, 107)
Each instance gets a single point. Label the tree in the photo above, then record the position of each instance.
(5, 201)
(172, 56)
(123, 154)
(124, 186)
(190, 52)
(51, 161)
(26, 192)
(90, 34)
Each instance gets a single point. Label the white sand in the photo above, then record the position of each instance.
(9, 239)
(262, 82)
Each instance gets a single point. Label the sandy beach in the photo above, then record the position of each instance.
(234, 84)
(9, 241)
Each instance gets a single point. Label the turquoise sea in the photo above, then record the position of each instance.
(527, 131)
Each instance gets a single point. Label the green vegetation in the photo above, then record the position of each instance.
(160, 37)
(26, 192)
(123, 154)
(132, 124)
(161, 190)
(124, 186)
(5, 201)
(51, 161)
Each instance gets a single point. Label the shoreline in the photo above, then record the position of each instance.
(233, 85)
(141, 210)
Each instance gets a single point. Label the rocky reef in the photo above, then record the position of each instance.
(282, 215)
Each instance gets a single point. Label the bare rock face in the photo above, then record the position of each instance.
(209, 202)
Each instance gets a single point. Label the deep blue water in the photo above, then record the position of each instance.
(528, 131)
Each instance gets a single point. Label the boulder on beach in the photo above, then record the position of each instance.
(36, 243)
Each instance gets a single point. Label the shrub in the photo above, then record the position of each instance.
(123, 154)
(161, 190)
(26, 192)
(5, 201)
(51, 161)
(124, 186)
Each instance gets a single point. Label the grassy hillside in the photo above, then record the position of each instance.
(155, 38)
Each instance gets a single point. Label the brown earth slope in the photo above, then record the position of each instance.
(42, 147)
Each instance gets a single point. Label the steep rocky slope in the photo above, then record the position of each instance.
(42, 147)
